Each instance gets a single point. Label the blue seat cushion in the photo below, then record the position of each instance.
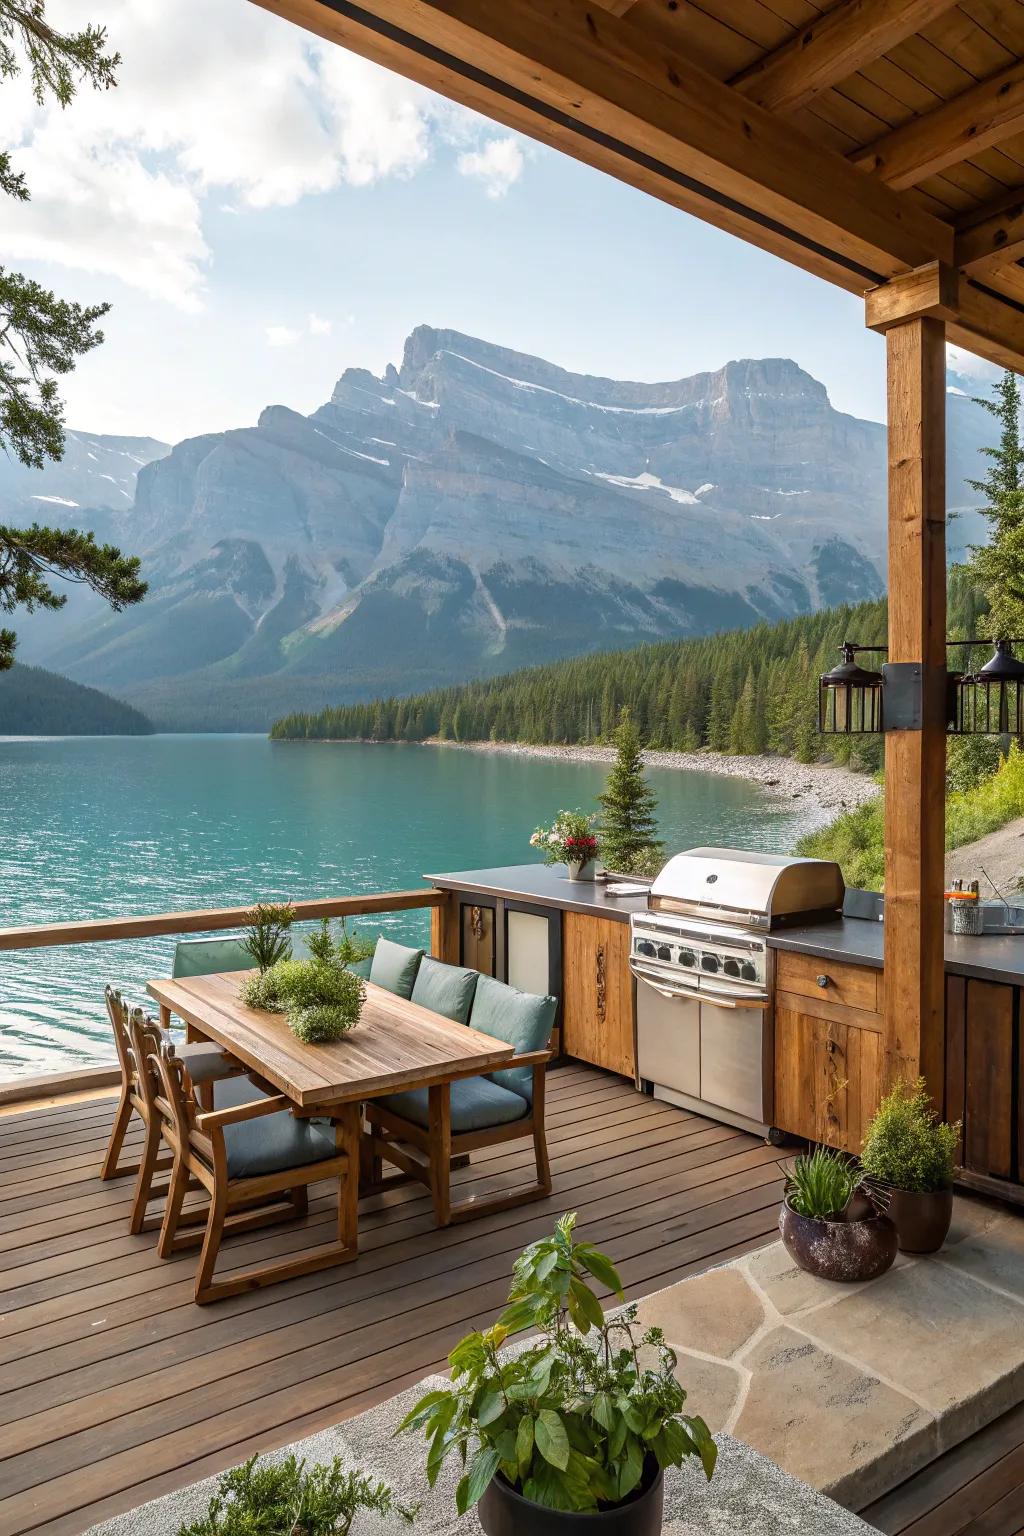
(519, 1018)
(445, 989)
(272, 1143)
(477, 1105)
(205, 957)
(394, 967)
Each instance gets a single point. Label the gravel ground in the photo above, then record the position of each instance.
(826, 788)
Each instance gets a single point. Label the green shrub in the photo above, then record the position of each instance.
(322, 1000)
(907, 1145)
(266, 934)
(259, 990)
(282, 1499)
(822, 1184)
(570, 1419)
(856, 841)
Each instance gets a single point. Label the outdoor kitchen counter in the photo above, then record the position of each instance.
(544, 885)
(859, 941)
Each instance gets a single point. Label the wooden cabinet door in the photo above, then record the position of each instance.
(827, 1078)
(597, 992)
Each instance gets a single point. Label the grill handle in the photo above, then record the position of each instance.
(707, 993)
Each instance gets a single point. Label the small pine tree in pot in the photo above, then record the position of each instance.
(911, 1154)
(628, 829)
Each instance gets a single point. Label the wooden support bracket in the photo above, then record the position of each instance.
(928, 292)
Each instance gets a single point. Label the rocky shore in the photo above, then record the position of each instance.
(823, 790)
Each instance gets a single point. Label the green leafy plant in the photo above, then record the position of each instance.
(570, 1420)
(629, 828)
(282, 1498)
(570, 838)
(822, 1184)
(322, 998)
(346, 949)
(907, 1145)
(266, 933)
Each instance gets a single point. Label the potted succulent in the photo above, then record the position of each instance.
(829, 1223)
(569, 840)
(568, 1436)
(911, 1155)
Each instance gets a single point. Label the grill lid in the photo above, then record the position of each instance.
(761, 887)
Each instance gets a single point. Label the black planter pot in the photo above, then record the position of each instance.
(839, 1250)
(921, 1219)
(504, 1512)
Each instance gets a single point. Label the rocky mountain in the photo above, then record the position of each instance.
(38, 703)
(96, 471)
(476, 510)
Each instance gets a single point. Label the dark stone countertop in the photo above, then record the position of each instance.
(858, 941)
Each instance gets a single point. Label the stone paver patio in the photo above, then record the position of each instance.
(854, 1388)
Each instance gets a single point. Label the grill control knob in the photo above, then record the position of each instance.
(687, 957)
(748, 971)
(664, 953)
(709, 962)
(731, 967)
(644, 948)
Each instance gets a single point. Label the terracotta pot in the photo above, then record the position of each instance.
(921, 1219)
(839, 1250)
(504, 1512)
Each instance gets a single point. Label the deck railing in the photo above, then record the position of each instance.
(208, 920)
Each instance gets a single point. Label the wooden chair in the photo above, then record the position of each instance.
(396, 1137)
(256, 1161)
(205, 1061)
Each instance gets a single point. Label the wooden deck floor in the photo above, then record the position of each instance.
(115, 1388)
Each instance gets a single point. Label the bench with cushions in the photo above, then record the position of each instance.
(459, 1117)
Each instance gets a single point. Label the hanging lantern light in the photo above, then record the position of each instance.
(850, 696)
(990, 702)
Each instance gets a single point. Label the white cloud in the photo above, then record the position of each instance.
(499, 165)
(282, 335)
(214, 99)
(971, 367)
(318, 326)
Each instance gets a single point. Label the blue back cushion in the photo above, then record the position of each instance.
(394, 967)
(521, 1018)
(446, 989)
(204, 957)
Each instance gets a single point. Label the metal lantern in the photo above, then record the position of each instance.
(990, 702)
(850, 696)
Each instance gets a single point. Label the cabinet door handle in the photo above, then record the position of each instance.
(822, 981)
(600, 976)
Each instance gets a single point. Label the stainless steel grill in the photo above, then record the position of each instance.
(704, 974)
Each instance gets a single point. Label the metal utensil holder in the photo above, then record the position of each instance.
(966, 917)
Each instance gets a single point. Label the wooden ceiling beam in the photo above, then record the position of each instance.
(980, 117)
(992, 236)
(831, 48)
(599, 88)
(988, 325)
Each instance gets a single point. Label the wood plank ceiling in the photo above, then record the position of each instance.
(859, 139)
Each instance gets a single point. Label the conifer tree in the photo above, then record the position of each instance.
(998, 566)
(628, 829)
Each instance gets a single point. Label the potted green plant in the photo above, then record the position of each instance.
(570, 1434)
(829, 1223)
(569, 840)
(282, 1498)
(266, 933)
(321, 997)
(911, 1154)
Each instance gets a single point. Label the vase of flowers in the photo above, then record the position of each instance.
(569, 840)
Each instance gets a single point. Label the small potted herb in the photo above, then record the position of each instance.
(572, 1433)
(911, 1154)
(829, 1223)
(282, 1498)
(569, 840)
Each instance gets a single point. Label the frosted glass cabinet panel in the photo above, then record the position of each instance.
(529, 955)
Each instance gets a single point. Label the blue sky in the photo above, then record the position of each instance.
(251, 256)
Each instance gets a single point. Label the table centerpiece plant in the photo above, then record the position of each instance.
(910, 1154)
(320, 997)
(830, 1225)
(267, 937)
(569, 840)
(580, 1423)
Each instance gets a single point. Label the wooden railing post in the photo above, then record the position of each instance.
(915, 759)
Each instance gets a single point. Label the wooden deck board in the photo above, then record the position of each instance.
(119, 1388)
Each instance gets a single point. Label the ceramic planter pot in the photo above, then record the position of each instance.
(921, 1220)
(504, 1512)
(581, 869)
(839, 1250)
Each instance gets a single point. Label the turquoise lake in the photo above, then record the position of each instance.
(107, 826)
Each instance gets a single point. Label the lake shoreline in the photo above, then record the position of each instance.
(825, 789)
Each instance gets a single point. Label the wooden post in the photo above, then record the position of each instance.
(915, 760)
